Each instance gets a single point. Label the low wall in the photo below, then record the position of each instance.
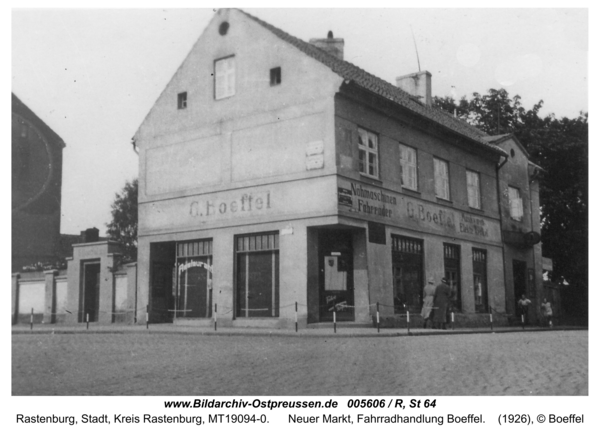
(40, 297)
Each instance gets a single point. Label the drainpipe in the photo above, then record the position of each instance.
(499, 193)
(529, 181)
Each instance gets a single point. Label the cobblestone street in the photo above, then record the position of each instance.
(522, 363)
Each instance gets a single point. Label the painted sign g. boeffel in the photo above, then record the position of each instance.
(384, 206)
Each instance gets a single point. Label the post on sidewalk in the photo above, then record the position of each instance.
(452, 320)
(377, 317)
(523, 321)
(147, 316)
(334, 324)
(87, 321)
(215, 316)
(491, 320)
(296, 317)
(408, 322)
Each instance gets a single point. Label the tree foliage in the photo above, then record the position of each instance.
(560, 147)
(124, 224)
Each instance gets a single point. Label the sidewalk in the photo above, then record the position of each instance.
(321, 331)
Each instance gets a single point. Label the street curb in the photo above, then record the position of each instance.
(230, 333)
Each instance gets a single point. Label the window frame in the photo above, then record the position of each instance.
(518, 213)
(252, 244)
(275, 76)
(368, 152)
(406, 163)
(229, 74)
(474, 191)
(438, 162)
(181, 100)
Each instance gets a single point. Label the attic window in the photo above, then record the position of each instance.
(182, 100)
(275, 76)
(223, 28)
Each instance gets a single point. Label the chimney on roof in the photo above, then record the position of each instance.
(333, 46)
(90, 235)
(417, 84)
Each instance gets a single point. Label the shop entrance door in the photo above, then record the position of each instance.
(336, 275)
(193, 297)
(452, 273)
(90, 297)
(407, 266)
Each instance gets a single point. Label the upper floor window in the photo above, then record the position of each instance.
(442, 179)
(225, 77)
(516, 203)
(368, 163)
(408, 167)
(275, 76)
(473, 191)
(182, 100)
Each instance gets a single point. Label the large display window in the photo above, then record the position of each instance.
(257, 275)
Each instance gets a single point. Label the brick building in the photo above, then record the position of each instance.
(274, 174)
(36, 188)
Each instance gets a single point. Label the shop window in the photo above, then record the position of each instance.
(480, 280)
(224, 77)
(408, 167)
(516, 203)
(407, 268)
(193, 287)
(452, 273)
(182, 100)
(368, 153)
(442, 179)
(257, 275)
(275, 76)
(473, 190)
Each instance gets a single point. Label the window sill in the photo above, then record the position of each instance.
(410, 192)
(369, 178)
(444, 201)
(477, 210)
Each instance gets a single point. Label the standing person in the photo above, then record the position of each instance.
(440, 304)
(428, 294)
(547, 312)
(524, 303)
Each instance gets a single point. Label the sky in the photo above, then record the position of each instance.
(92, 75)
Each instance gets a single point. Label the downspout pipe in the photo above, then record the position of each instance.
(499, 194)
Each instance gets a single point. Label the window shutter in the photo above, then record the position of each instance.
(219, 80)
(230, 76)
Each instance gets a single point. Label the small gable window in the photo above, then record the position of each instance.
(275, 74)
(182, 100)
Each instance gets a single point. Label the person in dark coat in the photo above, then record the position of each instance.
(440, 304)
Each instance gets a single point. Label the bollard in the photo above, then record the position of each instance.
(377, 317)
(296, 317)
(215, 316)
(334, 325)
(491, 322)
(147, 319)
(87, 321)
(452, 319)
(408, 322)
(31, 320)
(523, 321)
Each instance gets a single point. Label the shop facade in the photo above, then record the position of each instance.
(279, 183)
